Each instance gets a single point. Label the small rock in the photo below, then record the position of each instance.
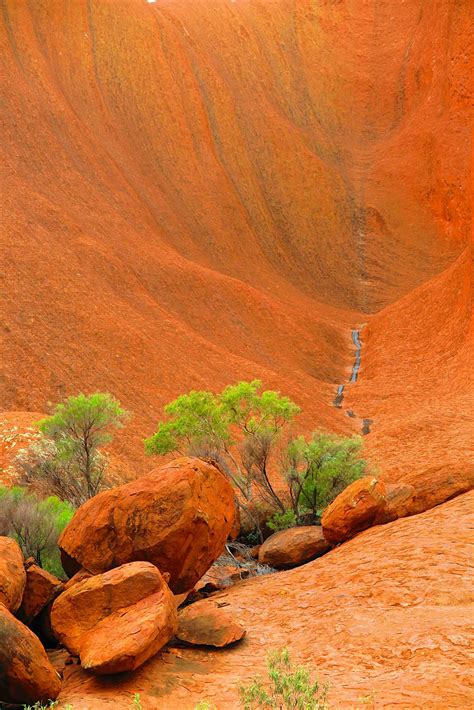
(207, 624)
(293, 547)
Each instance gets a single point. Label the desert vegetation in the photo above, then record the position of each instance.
(35, 524)
(280, 479)
(68, 459)
(250, 433)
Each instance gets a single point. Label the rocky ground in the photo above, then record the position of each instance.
(384, 616)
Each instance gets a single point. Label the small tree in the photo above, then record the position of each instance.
(237, 427)
(35, 524)
(71, 460)
(288, 687)
(319, 469)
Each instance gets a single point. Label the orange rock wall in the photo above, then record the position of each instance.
(196, 192)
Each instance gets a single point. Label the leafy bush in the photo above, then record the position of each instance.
(318, 470)
(35, 524)
(287, 687)
(68, 460)
(282, 521)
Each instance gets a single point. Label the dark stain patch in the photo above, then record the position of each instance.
(366, 424)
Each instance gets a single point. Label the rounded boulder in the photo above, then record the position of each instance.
(117, 620)
(12, 574)
(178, 517)
(293, 547)
(26, 675)
(357, 508)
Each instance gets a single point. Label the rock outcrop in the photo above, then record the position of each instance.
(357, 508)
(12, 574)
(293, 547)
(26, 675)
(178, 517)
(206, 624)
(117, 620)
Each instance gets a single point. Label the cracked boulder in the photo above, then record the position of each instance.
(117, 620)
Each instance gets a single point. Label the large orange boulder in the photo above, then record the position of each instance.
(355, 509)
(26, 675)
(12, 574)
(206, 624)
(117, 620)
(41, 588)
(293, 547)
(178, 517)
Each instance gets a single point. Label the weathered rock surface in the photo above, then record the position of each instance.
(117, 620)
(12, 574)
(422, 490)
(356, 508)
(26, 675)
(386, 613)
(80, 576)
(206, 624)
(41, 588)
(293, 547)
(178, 517)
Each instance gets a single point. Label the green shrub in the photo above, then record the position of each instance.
(238, 428)
(319, 469)
(282, 521)
(68, 461)
(35, 524)
(287, 687)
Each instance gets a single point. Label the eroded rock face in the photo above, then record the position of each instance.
(206, 624)
(117, 620)
(26, 675)
(12, 574)
(355, 509)
(293, 547)
(41, 588)
(178, 517)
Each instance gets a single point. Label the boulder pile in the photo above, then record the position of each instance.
(129, 551)
(178, 517)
